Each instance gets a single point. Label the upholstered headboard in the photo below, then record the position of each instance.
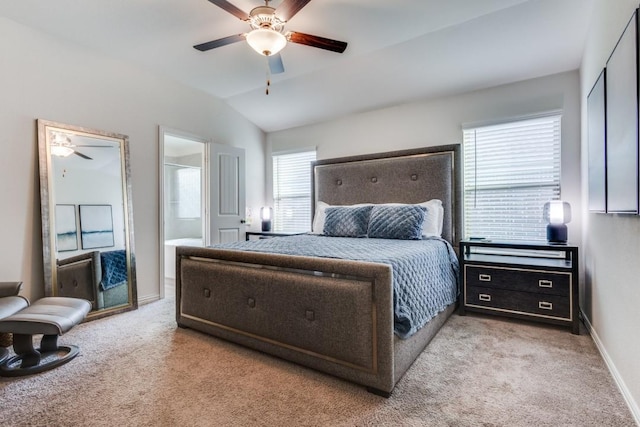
(409, 176)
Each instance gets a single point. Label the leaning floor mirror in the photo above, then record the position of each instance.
(87, 218)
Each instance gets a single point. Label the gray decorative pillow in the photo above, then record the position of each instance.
(397, 222)
(346, 221)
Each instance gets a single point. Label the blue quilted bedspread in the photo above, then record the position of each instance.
(425, 272)
(114, 269)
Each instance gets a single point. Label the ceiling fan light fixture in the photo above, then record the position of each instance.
(61, 150)
(266, 41)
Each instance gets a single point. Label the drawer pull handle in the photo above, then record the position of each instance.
(484, 297)
(545, 283)
(485, 277)
(544, 305)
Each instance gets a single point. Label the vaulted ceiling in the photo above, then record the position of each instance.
(398, 50)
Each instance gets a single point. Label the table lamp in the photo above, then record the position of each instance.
(265, 215)
(557, 213)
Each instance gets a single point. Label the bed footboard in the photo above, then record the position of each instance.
(328, 314)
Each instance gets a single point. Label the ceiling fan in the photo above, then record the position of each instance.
(267, 35)
(61, 146)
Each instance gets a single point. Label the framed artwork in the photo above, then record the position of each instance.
(597, 122)
(66, 228)
(96, 225)
(622, 124)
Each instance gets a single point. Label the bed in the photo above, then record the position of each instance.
(99, 277)
(331, 312)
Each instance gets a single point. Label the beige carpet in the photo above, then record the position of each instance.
(139, 369)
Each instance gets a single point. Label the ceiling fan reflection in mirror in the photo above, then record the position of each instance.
(267, 35)
(61, 146)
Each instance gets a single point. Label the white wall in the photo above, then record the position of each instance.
(611, 243)
(439, 121)
(44, 77)
(83, 186)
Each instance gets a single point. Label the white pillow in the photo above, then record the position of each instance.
(319, 217)
(434, 218)
(432, 225)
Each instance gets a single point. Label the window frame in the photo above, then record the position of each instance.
(537, 186)
(194, 193)
(297, 223)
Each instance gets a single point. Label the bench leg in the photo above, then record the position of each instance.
(23, 347)
(49, 343)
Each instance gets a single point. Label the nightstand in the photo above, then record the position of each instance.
(527, 280)
(269, 234)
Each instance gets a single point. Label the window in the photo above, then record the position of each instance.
(292, 191)
(188, 186)
(510, 171)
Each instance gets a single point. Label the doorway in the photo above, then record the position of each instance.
(183, 196)
(202, 197)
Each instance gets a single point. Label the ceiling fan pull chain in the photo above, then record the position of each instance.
(268, 76)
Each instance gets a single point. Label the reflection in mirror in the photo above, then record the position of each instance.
(87, 222)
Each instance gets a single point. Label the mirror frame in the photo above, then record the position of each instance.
(47, 204)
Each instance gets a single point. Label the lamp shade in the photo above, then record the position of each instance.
(266, 41)
(557, 212)
(265, 215)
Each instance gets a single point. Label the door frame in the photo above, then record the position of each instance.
(162, 132)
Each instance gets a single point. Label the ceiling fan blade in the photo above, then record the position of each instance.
(238, 13)
(203, 47)
(288, 8)
(316, 41)
(275, 64)
(84, 156)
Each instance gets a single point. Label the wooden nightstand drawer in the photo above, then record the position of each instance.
(519, 302)
(516, 279)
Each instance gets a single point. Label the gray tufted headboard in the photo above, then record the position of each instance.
(409, 176)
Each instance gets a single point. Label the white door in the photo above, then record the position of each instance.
(227, 186)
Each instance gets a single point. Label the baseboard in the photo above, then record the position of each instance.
(148, 299)
(628, 398)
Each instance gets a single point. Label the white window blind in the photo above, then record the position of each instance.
(510, 171)
(292, 191)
